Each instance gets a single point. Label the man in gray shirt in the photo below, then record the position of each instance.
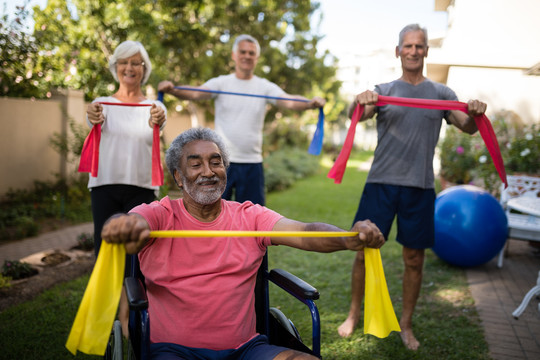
(401, 180)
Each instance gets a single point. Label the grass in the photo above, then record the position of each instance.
(445, 322)
(38, 329)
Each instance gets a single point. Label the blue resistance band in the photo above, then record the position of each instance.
(315, 147)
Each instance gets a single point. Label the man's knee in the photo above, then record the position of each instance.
(413, 258)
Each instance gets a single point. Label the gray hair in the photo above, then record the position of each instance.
(409, 28)
(176, 150)
(245, 37)
(127, 49)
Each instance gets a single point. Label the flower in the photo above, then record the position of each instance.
(460, 150)
(525, 152)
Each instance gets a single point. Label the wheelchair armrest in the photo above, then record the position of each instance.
(136, 293)
(293, 284)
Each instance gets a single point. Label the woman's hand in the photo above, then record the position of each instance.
(157, 116)
(95, 113)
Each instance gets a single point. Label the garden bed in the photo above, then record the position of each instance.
(54, 267)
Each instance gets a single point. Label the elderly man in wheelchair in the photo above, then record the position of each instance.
(201, 301)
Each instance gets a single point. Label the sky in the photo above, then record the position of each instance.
(357, 25)
(365, 25)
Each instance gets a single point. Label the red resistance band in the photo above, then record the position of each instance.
(482, 122)
(90, 152)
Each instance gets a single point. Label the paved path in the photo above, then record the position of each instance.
(497, 292)
(63, 239)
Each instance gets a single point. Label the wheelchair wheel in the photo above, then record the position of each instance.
(285, 322)
(115, 349)
(130, 351)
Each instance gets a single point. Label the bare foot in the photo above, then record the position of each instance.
(347, 328)
(408, 339)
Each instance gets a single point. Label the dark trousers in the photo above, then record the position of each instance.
(246, 181)
(108, 200)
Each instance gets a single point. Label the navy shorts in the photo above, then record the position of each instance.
(246, 181)
(257, 348)
(414, 208)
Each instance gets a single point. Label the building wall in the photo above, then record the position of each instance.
(25, 151)
(501, 89)
(487, 53)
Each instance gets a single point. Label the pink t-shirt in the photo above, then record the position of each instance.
(200, 290)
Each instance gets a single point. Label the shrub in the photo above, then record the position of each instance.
(25, 227)
(283, 167)
(85, 241)
(21, 210)
(5, 281)
(457, 158)
(18, 270)
(464, 158)
(523, 152)
(284, 133)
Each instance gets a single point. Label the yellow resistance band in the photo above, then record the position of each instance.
(232, 233)
(93, 322)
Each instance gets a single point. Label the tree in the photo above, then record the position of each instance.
(20, 74)
(189, 41)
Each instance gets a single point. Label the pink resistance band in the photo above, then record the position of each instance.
(482, 122)
(90, 152)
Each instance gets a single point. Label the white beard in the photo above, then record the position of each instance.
(204, 197)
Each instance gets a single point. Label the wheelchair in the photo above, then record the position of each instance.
(270, 321)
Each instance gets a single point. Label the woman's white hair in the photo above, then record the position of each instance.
(127, 49)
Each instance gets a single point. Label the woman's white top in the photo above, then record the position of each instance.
(125, 149)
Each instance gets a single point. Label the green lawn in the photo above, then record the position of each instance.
(446, 321)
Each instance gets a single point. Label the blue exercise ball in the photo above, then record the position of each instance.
(470, 226)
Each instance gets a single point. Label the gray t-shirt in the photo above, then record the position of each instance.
(407, 136)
